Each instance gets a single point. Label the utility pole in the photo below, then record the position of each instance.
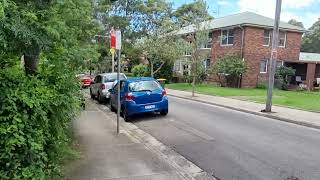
(273, 58)
(118, 47)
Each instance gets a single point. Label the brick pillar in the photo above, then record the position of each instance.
(311, 71)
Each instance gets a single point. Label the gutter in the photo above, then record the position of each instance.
(242, 40)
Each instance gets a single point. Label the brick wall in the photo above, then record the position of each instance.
(253, 51)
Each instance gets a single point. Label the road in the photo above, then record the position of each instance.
(233, 145)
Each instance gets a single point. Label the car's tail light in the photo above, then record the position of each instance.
(129, 97)
(164, 92)
(103, 86)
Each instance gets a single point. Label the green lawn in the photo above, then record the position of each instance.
(298, 99)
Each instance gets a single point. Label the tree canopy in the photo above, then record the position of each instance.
(311, 40)
(296, 23)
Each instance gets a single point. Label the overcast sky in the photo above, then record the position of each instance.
(306, 11)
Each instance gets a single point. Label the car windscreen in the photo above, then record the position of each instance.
(144, 86)
(113, 77)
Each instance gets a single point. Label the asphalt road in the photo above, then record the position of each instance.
(232, 145)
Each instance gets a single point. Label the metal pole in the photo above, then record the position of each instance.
(272, 64)
(118, 96)
(112, 57)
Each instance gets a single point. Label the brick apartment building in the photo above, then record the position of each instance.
(249, 35)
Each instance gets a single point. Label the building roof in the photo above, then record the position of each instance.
(244, 19)
(314, 57)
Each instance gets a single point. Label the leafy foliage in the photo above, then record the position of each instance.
(140, 70)
(36, 110)
(296, 23)
(311, 40)
(283, 74)
(189, 13)
(229, 67)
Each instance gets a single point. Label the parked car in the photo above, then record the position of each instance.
(139, 95)
(85, 80)
(99, 88)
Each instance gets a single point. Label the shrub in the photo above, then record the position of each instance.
(282, 76)
(230, 67)
(140, 70)
(35, 116)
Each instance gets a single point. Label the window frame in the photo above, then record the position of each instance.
(266, 68)
(227, 37)
(285, 39)
(266, 45)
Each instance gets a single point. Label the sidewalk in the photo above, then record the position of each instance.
(133, 154)
(300, 117)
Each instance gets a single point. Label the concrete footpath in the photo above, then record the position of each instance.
(132, 154)
(300, 117)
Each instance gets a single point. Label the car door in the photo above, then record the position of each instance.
(97, 84)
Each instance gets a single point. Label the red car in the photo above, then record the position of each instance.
(86, 80)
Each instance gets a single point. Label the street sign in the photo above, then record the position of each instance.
(112, 39)
(112, 51)
(118, 39)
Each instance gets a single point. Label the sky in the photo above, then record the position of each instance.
(306, 11)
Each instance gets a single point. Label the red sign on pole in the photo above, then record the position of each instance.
(112, 39)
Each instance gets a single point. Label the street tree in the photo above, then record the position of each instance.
(296, 23)
(188, 13)
(195, 16)
(310, 42)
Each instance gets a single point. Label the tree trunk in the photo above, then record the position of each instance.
(151, 69)
(31, 63)
(31, 60)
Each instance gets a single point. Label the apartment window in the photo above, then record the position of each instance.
(176, 66)
(266, 37)
(279, 64)
(209, 44)
(188, 49)
(263, 66)
(206, 64)
(227, 37)
(282, 39)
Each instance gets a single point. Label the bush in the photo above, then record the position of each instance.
(230, 67)
(282, 76)
(140, 70)
(35, 116)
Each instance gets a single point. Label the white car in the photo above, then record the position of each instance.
(99, 88)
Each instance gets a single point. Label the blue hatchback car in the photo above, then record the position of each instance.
(139, 95)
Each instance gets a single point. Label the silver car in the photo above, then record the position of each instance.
(99, 88)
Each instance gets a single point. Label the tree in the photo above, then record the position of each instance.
(283, 74)
(311, 42)
(194, 14)
(296, 23)
(188, 13)
(229, 68)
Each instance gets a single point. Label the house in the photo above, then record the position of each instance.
(249, 35)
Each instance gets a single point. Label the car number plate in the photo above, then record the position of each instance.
(150, 107)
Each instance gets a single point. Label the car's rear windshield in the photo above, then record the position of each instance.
(113, 77)
(144, 86)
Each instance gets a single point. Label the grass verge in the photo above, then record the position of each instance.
(295, 99)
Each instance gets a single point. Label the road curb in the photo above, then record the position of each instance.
(310, 125)
(183, 166)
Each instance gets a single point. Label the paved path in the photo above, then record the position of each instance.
(108, 156)
(234, 145)
(306, 118)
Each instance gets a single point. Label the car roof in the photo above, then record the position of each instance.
(135, 79)
(107, 74)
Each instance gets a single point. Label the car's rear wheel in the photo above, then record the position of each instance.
(112, 108)
(125, 115)
(91, 95)
(164, 112)
(100, 98)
